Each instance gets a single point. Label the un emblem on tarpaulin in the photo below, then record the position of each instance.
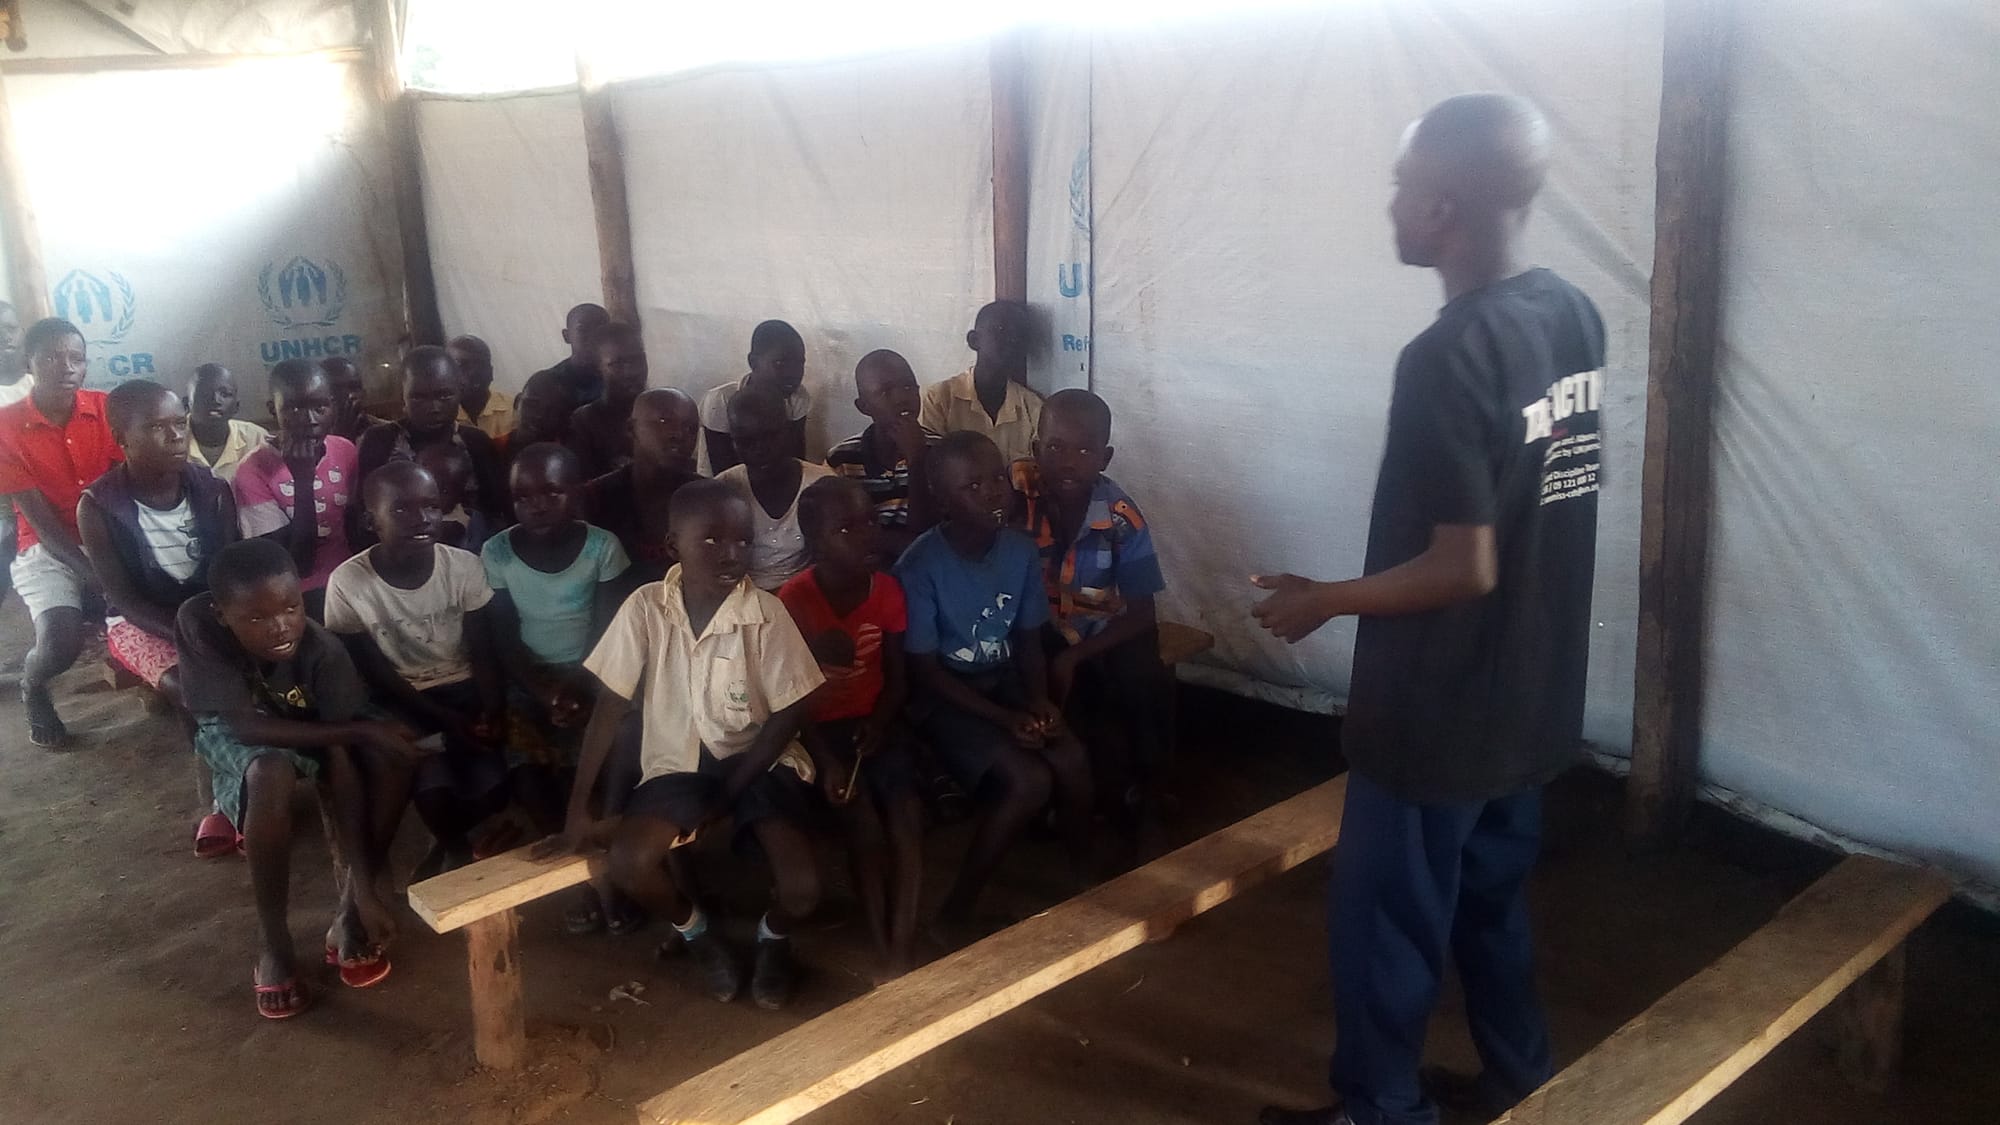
(104, 309)
(303, 293)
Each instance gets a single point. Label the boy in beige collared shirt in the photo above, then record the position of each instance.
(989, 397)
(724, 675)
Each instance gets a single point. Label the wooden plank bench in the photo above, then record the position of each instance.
(480, 898)
(787, 1077)
(1842, 934)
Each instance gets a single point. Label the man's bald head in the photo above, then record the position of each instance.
(1468, 171)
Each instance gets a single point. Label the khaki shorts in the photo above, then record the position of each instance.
(44, 583)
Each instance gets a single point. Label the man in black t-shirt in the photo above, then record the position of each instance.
(577, 371)
(1467, 692)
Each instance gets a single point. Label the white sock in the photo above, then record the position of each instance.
(765, 932)
(695, 926)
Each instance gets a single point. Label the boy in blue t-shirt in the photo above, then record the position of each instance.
(976, 608)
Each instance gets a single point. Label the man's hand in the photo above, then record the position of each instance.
(577, 838)
(1295, 610)
(906, 433)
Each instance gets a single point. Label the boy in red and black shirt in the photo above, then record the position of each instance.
(53, 444)
(852, 614)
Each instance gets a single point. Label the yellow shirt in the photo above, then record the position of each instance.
(244, 439)
(496, 419)
(954, 405)
(716, 690)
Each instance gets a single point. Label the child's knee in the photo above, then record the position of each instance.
(267, 785)
(798, 883)
(1023, 778)
(1069, 762)
(638, 852)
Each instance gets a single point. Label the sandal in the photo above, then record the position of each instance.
(215, 837)
(45, 727)
(298, 999)
(583, 916)
(360, 972)
(623, 916)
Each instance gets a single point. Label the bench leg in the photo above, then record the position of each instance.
(1867, 1025)
(499, 1021)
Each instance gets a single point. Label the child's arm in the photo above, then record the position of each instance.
(301, 535)
(772, 738)
(580, 830)
(1034, 669)
(604, 603)
(119, 586)
(519, 665)
(485, 670)
(833, 767)
(256, 728)
(395, 691)
(1137, 619)
(54, 536)
(721, 451)
(940, 681)
(1460, 565)
(895, 693)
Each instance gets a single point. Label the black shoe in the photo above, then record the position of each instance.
(1463, 1093)
(771, 983)
(720, 973)
(1324, 1115)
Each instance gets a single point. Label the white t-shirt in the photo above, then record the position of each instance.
(777, 546)
(421, 631)
(170, 538)
(715, 413)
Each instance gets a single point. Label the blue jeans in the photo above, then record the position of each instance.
(1411, 884)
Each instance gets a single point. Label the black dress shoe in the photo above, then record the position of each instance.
(771, 980)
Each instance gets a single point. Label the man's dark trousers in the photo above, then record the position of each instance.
(1411, 884)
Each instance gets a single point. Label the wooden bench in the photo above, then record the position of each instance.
(1843, 934)
(481, 898)
(787, 1077)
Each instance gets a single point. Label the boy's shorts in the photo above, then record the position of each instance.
(228, 759)
(44, 583)
(890, 773)
(469, 772)
(965, 744)
(145, 655)
(680, 799)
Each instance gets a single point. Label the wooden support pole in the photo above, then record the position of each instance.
(27, 278)
(1680, 396)
(499, 1020)
(1007, 62)
(399, 113)
(605, 151)
(201, 60)
(1867, 1024)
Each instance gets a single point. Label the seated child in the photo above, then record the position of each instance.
(276, 699)
(53, 443)
(1101, 574)
(311, 524)
(991, 397)
(432, 387)
(852, 615)
(771, 479)
(491, 414)
(556, 582)
(150, 528)
(976, 606)
(888, 457)
(221, 440)
(451, 467)
(777, 365)
(725, 676)
(601, 431)
(350, 394)
(412, 613)
(541, 413)
(632, 501)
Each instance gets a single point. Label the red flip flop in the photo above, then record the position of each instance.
(215, 837)
(300, 998)
(360, 972)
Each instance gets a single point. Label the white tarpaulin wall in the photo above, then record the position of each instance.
(1249, 307)
(232, 215)
(513, 240)
(1853, 636)
(852, 199)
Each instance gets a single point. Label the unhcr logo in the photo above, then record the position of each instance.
(303, 293)
(104, 309)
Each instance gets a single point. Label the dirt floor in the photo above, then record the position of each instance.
(126, 964)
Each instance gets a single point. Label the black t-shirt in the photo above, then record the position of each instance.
(579, 380)
(218, 677)
(1493, 421)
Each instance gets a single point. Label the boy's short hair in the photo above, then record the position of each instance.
(41, 333)
(549, 452)
(393, 474)
(752, 401)
(960, 445)
(698, 497)
(245, 563)
(773, 334)
(129, 402)
(1016, 309)
(294, 375)
(1078, 402)
(818, 499)
(424, 357)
